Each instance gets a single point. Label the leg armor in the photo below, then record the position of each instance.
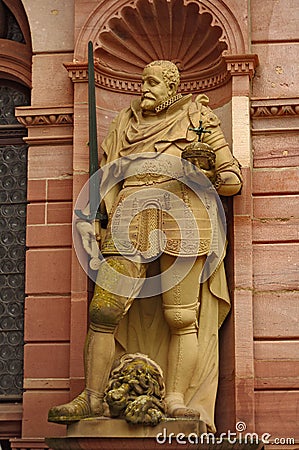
(182, 319)
(107, 308)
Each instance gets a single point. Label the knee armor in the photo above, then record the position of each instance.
(106, 308)
(182, 319)
(105, 311)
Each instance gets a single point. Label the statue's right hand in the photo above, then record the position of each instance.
(88, 236)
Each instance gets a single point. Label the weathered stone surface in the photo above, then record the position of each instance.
(36, 404)
(46, 360)
(276, 75)
(274, 21)
(275, 230)
(275, 315)
(49, 236)
(49, 164)
(274, 408)
(275, 266)
(50, 316)
(51, 25)
(58, 86)
(284, 180)
(283, 207)
(275, 149)
(276, 364)
(51, 269)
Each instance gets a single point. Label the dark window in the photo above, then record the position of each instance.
(9, 27)
(13, 182)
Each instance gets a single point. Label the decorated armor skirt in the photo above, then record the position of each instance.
(159, 215)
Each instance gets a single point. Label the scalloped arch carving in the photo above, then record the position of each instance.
(128, 34)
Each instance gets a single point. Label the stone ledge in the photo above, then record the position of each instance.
(115, 434)
(10, 419)
(117, 428)
(138, 444)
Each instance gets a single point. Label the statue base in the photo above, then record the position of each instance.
(115, 434)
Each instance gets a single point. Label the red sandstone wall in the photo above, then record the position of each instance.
(49, 215)
(47, 329)
(275, 216)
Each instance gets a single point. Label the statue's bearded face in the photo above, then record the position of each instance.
(154, 88)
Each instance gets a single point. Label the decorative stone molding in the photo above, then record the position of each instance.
(16, 62)
(274, 111)
(10, 419)
(144, 31)
(12, 131)
(15, 48)
(46, 383)
(78, 73)
(275, 115)
(58, 117)
(241, 64)
(28, 444)
(44, 116)
(17, 10)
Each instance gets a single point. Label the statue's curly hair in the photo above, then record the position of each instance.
(170, 72)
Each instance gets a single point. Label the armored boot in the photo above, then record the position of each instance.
(99, 355)
(87, 404)
(181, 362)
(105, 312)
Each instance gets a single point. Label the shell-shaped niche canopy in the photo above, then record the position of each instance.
(147, 30)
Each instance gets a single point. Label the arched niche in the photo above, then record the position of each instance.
(15, 43)
(196, 35)
(161, 11)
(126, 35)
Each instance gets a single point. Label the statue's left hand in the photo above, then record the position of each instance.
(197, 174)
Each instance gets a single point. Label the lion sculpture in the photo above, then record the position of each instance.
(136, 390)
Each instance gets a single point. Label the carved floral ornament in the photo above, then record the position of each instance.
(127, 35)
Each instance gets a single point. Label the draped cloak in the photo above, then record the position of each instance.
(144, 329)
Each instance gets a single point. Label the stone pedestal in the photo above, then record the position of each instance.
(115, 434)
